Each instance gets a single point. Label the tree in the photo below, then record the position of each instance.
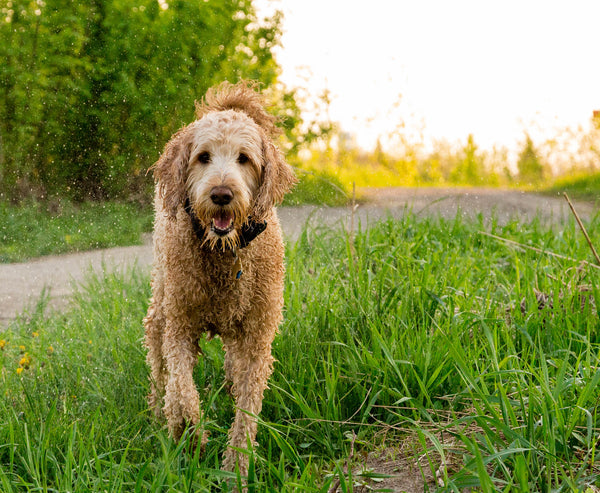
(469, 169)
(91, 91)
(529, 165)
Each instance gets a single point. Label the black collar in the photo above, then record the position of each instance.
(250, 230)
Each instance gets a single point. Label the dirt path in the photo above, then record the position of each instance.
(21, 284)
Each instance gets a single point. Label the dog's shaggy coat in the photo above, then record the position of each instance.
(224, 172)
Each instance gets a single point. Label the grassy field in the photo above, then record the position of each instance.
(582, 187)
(36, 229)
(317, 187)
(476, 358)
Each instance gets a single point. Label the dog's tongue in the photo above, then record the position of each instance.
(223, 219)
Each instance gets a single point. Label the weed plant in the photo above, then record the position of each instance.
(481, 356)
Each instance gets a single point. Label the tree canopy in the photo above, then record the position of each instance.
(91, 91)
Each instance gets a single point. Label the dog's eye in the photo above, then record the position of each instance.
(204, 157)
(243, 159)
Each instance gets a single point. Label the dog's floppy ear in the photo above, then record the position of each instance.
(170, 171)
(278, 178)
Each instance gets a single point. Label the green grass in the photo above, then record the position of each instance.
(317, 187)
(36, 229)
(583, 186)
(411, 332)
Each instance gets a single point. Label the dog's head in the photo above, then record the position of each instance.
(225, 164)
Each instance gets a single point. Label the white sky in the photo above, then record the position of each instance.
(490, 68)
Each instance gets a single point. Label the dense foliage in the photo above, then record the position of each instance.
(91, 91)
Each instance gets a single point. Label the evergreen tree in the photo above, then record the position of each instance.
(469, 169)
(529, 166)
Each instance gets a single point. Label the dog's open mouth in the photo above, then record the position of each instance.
(222, 223)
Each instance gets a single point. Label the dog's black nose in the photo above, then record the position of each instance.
(221, 195)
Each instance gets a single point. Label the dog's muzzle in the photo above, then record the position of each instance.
(250, 229)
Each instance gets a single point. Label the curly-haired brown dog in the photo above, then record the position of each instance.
(218, 259)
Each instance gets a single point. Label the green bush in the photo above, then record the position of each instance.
(91, 91)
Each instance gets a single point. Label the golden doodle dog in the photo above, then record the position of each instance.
(218, 260)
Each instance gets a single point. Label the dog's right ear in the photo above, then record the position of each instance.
(170, 172)
(278, 178)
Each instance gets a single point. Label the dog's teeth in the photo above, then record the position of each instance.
(222, 221)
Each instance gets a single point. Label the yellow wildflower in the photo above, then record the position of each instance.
(19, 370)
(3, 343)
(50, 350)
(22, 349)
(25, 360)
(35, 334)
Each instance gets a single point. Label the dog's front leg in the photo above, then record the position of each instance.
(248, 364)
(182, 403)
(154, 326)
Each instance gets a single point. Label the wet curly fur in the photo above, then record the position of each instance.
(226, 167)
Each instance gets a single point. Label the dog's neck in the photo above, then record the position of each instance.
(250, 230)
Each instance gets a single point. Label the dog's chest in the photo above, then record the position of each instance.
(224, 287)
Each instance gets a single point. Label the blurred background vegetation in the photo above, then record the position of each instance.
(91, 91)
(570, 162)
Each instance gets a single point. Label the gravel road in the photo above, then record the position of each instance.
(21, 284)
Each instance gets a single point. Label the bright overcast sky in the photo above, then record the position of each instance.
(490, 68)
